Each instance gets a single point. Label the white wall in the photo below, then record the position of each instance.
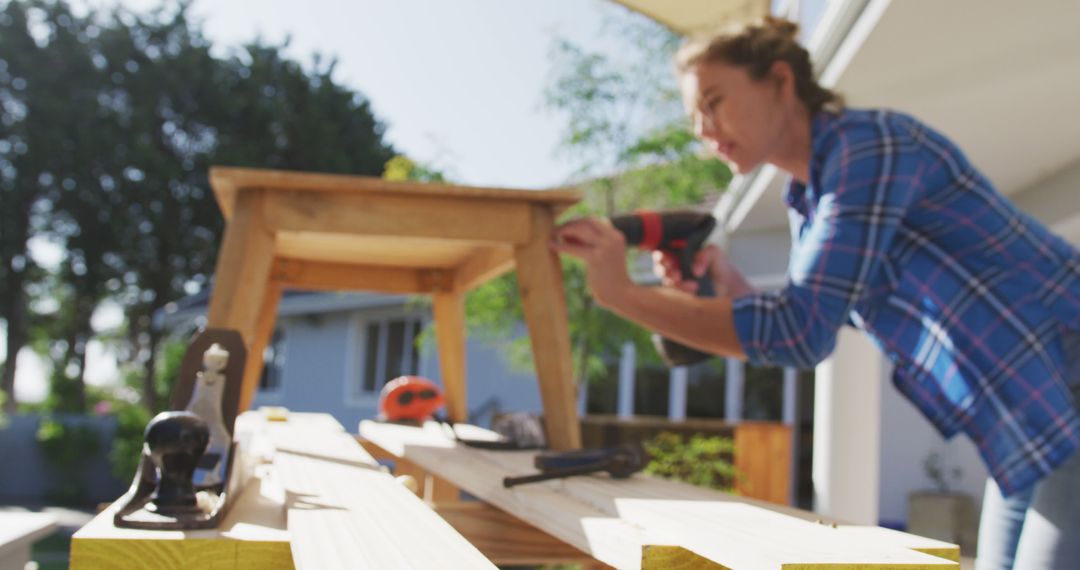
(1055, 200)
(761, 255)
(847, 424)
(907, 439)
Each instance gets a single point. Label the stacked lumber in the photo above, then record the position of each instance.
(252, 535)
(321, 502)
(344, 511)
(652, 523)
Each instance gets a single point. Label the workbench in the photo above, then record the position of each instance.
(646, 522)
(18, 532)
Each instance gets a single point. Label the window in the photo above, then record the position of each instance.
(273, 372)
(388, 351)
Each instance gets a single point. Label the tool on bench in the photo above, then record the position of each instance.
(409, 399)
(517, 431)
(188, 475)
(682, 232)
(620, 462)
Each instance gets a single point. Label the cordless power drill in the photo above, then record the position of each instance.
(682, 232)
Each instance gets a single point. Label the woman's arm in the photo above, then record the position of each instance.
(870, 177)
(704, 323)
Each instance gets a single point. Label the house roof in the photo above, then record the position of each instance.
(293, 302)
(689, 16)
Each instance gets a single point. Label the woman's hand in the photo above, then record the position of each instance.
(705, 324)
(603, 249)
(728, 281)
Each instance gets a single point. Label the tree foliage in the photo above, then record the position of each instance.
(110, 123)
(626, 132)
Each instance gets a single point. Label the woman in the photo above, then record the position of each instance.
(895, 233)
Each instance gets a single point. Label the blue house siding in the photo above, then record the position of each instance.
(323, 366)
(314, 366)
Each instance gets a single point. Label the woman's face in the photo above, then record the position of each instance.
(739, 119)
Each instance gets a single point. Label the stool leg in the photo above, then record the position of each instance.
(264, 330)
(242, 274)
(449, 310)
(544, 302)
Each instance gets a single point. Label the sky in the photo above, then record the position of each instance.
(458, 85)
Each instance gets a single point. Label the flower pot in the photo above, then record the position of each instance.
(944, 516)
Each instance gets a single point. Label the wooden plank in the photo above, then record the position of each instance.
(483, 265)
(264, 331)
(577, 523)
(227, 181)
(544, 302)
(697, 519)
(438, 490)
(432, 489)
(742, 536)
(253, 535)
(304, 274)
(20, 530)
(344, 511)
(449, 312)
(675, 558)
(617, 494)
(395, 251)
(728, 530)
(389, 215)
(505, 539)
(763, 459)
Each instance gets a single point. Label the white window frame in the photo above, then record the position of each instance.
(357, 343)
(268, 368)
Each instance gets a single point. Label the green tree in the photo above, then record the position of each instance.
(111, 122)
(627, 133)
(24, 174)
(624, 124)
(84, 210)
(402, 167)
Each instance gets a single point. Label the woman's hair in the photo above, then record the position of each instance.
(755, 47)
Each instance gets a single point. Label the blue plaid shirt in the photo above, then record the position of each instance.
(899, 235)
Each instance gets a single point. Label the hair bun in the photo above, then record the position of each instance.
(781, 26)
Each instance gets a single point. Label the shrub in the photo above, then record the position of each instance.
(68, 448)
(702, 460)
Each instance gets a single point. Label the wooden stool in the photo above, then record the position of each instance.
(321, 231)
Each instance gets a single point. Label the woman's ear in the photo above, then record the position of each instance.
(781, 72)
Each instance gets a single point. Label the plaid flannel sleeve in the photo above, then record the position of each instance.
(868, 180)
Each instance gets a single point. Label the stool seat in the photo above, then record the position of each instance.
(339, 232)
